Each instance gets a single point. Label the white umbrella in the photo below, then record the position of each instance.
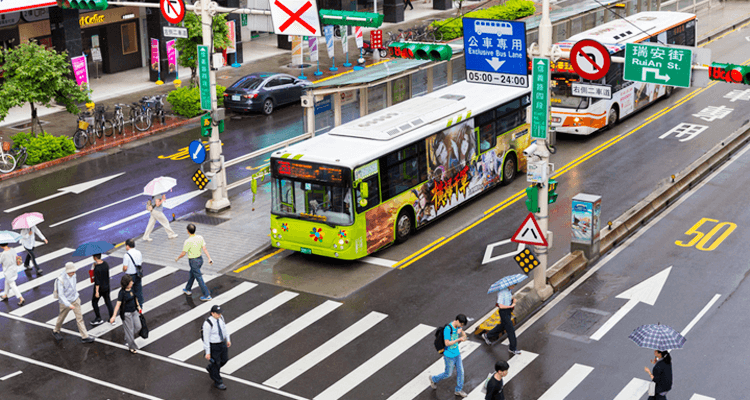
(159, 185)
(9, 237)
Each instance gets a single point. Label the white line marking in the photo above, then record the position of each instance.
(697, 396)
(572, 378)
(20, 249)
(203, 309)
(80, 376)
(700, 315)
(326, 349)
(374, 364)
(134, 216)
(635, 389)
(77, 189)
(378, 261)
(238, 323)
(11, 375)
(33, 306)
(93, 211)
(516, 363)
(58, 194)
(41, 260)
(52, 275)
(419, 383)
(623, 246)
(279, 336)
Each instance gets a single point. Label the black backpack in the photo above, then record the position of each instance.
(440, 338)
(211, 324)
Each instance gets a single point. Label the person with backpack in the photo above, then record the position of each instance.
(66, 292)
(452, 334)
(131, 264)
(494, 384)
(128, 306)
(216, 343)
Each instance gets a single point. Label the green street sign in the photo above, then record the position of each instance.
(540, 98)
(243, 19)
(204, 77)
(658, 64)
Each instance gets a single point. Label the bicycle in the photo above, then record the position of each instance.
(102, 125)
(20, 153)
(85, 130)
(7, 161)
(156, 103)
(140, 116)
(118, 120)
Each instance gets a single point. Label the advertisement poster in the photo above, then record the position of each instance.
(581, 214)
(312, 43)
(358, 36)
(154, 54)
(172, 56)
(231, 37)
(80, 70)
(297, 50)
(328, 31)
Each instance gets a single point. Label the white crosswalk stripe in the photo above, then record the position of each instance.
(238, 323)
(20, 249)
(279, 336)
(697, 396)
(516, 363)
(567, 383)
(41, 260)
(635, 389)
(86, 306)
(374, 364)
(47, 300)
(201, 310)
(50, 276)
(319, 354)
(152, 304)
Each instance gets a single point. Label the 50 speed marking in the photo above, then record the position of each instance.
(495, 78)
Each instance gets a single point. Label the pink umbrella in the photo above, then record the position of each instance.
(159, 185)
(27, 220)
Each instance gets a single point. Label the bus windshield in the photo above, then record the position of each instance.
(562, 94)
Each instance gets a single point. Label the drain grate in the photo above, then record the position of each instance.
(205, 219)
(27, 125)
(580, 322)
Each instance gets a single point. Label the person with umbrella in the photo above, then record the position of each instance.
(27, 223)
(505, 304)
(661, 339)
(10, 268)
(661, 375)
(100, 276)
(156, 189)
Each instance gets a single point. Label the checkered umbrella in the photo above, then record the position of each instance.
(506, 281)
(657, 337)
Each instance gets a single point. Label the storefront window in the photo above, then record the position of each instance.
(129, 38)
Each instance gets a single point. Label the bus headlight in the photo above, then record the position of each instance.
(576, 119)
(274, 231)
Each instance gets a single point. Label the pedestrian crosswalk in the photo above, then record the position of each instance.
(264, 321)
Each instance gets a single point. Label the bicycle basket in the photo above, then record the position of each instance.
(7, 146)
(83, 125)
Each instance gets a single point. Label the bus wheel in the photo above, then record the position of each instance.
(510, 167)
(668, 91)
(613, 116)
(404, 226)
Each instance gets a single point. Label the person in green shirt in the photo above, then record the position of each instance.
(192, 248)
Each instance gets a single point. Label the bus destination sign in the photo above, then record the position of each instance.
(321, 173)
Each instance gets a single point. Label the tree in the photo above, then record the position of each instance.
(36, 75)
(187, 48)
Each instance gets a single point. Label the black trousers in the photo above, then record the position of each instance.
(219, 357)
(103, 294)
(30, 256)
(408, 3)
(507, 324)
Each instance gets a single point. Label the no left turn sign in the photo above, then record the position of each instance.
(590, 59)
(173, 10)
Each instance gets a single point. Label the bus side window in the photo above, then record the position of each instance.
(373, 187)
(286, 189)
(486, 131)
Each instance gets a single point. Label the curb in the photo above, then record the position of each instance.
(96, 149)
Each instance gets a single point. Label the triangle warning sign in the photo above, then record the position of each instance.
(530, 233)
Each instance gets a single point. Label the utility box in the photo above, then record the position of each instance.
(585, 216)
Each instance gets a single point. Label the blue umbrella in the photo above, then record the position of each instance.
(506, 281)
(657, 337)
(9, 237)
(91, 248)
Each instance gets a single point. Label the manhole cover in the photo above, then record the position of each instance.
(205, 219)
(581, 322)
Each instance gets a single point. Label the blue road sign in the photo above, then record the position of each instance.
(495, 52)
(197, 151)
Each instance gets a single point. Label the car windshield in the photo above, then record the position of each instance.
(313, 201)
(562, 94)
(248, 82)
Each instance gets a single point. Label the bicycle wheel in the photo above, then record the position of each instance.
(109, 128)
(119, 124)
(142, 122)
(79, 139)
(438, 35)
(7, 163)
(99, 129)
(429, 37)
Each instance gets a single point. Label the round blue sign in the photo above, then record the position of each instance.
(197, 151)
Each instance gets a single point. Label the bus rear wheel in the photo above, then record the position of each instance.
(613, 117)
(404, 226)
(510, 167)
(668, 91)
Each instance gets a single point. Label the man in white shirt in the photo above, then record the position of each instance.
(28, 241)
(132, 258)
(216, 342)
(67, 295)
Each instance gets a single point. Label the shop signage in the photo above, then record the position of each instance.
(108, 16)
(92, 19)
(9, 19)
(128, 16)
(35, 15)
(154, 54)
(232, 37)
(172, 31)
(79, 70)
(171, 56)
(8, 6)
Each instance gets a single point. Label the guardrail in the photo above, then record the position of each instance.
(691, 5)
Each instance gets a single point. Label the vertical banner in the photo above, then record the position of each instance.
(344, 38)
(328, 31)
(297, 50)
(172, 56)
(312, 44)
(80, 70)
(358, 36)
(231, 37)
(154, 54)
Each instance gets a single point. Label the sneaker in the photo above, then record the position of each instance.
(206, 298)
(148, 239)
(57, 336)
(461, 393)
(432, 383)
(97, 322)
(516, 352)
(486, 339)
(89, 339)
(187, 292)
(39, 272)
(173, 237)
(220, 386)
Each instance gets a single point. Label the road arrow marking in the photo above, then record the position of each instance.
(77, 189)
(665, 78)
(495, 63)
(93, 211)
(646, 292)
(490, 247)
(171, 203)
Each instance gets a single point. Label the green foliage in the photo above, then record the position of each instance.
(44, 147)
(187, 50)
(34, 74)
(512, 9)
(186, 101)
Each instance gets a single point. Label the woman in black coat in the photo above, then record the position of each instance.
(661, 374)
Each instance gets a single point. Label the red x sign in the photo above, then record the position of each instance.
(305, 16)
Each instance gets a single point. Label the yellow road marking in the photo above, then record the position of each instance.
(264, 258)
(398, 264)
(119, 244)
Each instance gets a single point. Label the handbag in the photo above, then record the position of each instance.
(486, 382)
(138, 268)
(652, 388)
(91, 274)
(144, 328)
(149, 207)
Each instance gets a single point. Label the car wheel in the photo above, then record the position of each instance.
(510, 167)
(404, 226)
(383, 53)
(268, 107)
